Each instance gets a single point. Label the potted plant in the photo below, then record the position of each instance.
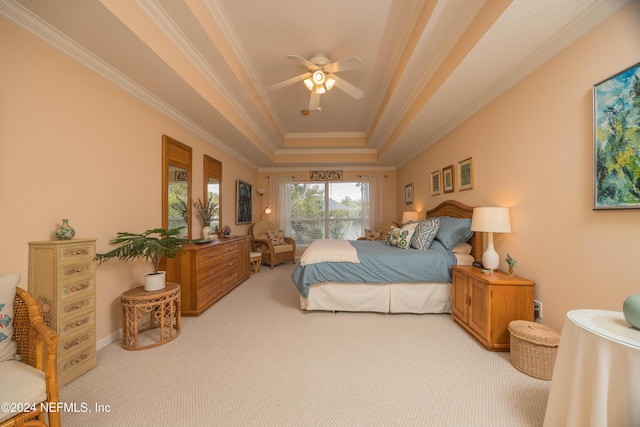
(152, 245)
(207, 213)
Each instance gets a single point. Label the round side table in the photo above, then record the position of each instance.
(256, 259)
(163, 308)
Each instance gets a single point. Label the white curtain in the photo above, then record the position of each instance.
(279, 200)
(372, 199)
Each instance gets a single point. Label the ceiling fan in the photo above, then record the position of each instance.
(320, 77)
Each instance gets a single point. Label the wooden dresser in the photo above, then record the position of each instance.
(62, 279)
(484, 304)
(209, 271)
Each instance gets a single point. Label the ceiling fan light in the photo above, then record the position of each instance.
(308, 83)
(318, 77)
(329, 83)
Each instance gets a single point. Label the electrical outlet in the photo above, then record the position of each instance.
(537, 309)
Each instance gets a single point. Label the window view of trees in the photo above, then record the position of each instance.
(331, 210)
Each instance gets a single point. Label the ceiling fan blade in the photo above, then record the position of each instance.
(304, 62)
(347, 87)
(346, 64)
(291, 81)
(314, 102)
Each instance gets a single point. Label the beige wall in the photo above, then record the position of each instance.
(533, 152)
(73, 145)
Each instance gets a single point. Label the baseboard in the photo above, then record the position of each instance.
(116, 336)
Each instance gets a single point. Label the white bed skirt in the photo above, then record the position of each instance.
(418, 298)
(381, 298)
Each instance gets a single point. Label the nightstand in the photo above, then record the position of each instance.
(484, 304)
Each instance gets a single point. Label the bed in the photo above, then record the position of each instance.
(382, 278)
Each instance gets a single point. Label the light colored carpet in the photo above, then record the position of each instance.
(256, 359)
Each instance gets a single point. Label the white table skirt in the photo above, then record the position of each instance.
(596, 377)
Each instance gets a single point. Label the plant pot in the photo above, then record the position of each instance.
(206, 232)
(155, 281)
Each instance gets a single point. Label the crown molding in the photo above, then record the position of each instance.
(31, 23)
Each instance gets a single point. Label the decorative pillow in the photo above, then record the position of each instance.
(425, 233)
(8, 347)
(276, 237)
(453, 231)
(400, 237)
(372, 234)
(462, 248)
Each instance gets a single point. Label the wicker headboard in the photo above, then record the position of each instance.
(456, 209)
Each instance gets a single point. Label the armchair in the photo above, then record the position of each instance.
(31, 381)
(272, 254)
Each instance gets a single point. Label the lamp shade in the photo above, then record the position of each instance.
(409, 216)
(491, 219)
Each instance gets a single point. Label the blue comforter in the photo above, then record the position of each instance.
(380, 264)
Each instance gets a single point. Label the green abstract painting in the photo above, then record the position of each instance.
(617, 141)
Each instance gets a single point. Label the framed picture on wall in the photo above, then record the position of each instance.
(435, 183)
(408, 194)
(465, 174)
(447, 179)
(244, 202)
(616, 175)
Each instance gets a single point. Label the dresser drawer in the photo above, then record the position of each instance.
(76, 363)
(75, 307)
(72, 342)
(209, 293)
(73, 271)
(208, 257)
(76, 289)
(229, 279)
(72, 325)
(77, 252)
(230, 250)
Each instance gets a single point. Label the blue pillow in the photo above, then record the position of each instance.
(453, 231)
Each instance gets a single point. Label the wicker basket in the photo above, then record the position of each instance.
(533, 348)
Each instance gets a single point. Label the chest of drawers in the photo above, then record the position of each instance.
(62, 280)
(209, 271)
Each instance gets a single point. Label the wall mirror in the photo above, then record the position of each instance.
(176, 186)
(212, 185)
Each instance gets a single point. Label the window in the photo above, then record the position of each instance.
(328, 210)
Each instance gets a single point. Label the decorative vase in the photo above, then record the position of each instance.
(65, 231)
(510, 271)
(155, 281)
(631, 310)
(206, 232)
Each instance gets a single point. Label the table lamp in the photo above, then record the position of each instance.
(410, 216)
(491, 220)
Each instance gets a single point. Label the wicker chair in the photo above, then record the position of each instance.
(271, 254)
(37, 347)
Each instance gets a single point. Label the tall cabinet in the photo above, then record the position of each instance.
(209, 271)
(62, 279)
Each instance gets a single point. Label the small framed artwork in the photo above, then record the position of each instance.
(447, 179)
(408, 194)
(465, 174)
(435, 183)
(616, 175)
(244, 202)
